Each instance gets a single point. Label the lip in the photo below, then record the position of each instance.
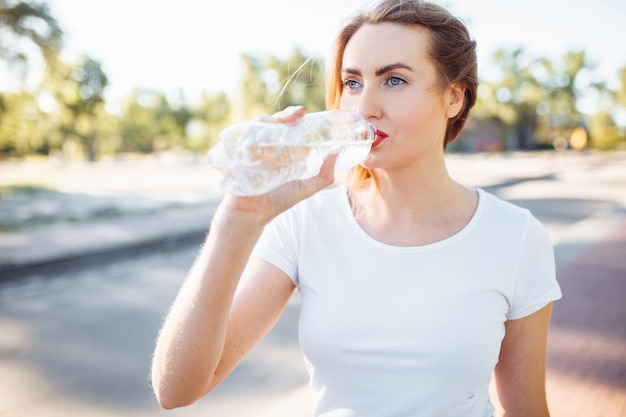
(380, 136)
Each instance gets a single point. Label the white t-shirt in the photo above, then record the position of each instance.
(408, 331)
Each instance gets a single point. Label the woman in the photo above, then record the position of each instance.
(414, 287)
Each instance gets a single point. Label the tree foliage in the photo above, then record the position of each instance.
(24, 129)
(620, 96)
(271, 83)
(79, 90)
(532, 103)
(537, 99)
(149, 122)
(211, 115)
(33, 22)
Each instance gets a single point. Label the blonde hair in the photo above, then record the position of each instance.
(450, 48)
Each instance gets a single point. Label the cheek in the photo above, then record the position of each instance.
(411, 121)
(417, 129)
(426, 117)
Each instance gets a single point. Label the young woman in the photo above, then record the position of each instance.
(415, 288)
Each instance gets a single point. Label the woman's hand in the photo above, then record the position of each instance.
(263, 208)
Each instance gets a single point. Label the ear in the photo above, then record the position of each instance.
(456, 100)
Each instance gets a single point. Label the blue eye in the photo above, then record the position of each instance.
(394, 81)
(351, 84)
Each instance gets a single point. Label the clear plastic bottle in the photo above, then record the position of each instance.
(256, 157)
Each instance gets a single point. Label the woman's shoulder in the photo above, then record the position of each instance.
(494, 205)
(508, 214)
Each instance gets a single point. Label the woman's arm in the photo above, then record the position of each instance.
(521, 370)
(216, 320)
(199, 334)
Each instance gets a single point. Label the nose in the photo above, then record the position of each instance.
(369, 105)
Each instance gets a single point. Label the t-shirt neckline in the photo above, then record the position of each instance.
(347, 211)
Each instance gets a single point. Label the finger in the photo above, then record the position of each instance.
(290, 114)
(266, 118)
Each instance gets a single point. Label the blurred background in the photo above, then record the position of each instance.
(92, 79)
(107, 110)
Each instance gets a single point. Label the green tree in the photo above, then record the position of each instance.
(537, 98)
(270, 84)
(560, 83)
(137, 131)
(301, 81)
(181, 114)
(210, 116)
(150, 122)
(620, 95)
(79, 90)
(170, 121)
(25, 128)
(604, 132)
(135, 125)
(19, 23)
(255, 95)
(31, 21)
(515, 96)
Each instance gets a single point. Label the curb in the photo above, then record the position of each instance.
(45, 250)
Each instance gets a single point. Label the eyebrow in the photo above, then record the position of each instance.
(380, 71)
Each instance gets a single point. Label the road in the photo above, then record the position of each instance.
(77, 342)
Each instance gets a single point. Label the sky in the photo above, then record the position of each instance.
(195, 45)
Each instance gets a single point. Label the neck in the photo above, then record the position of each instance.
(413, 208)
(414, 191)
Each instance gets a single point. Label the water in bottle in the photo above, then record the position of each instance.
(256, 157)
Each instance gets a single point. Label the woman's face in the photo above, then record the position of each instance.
(388, 78)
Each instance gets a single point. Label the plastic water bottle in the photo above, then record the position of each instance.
(256, 157)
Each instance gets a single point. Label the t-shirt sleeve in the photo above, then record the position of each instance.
(535, 284)
(278, 245)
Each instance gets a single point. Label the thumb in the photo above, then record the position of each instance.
(326, 176)
(292, 192)
(323, 179)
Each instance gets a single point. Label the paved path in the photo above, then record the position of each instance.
(587, 342)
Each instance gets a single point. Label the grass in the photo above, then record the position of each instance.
(8, 191)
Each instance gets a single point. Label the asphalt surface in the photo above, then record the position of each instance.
(124, 225)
